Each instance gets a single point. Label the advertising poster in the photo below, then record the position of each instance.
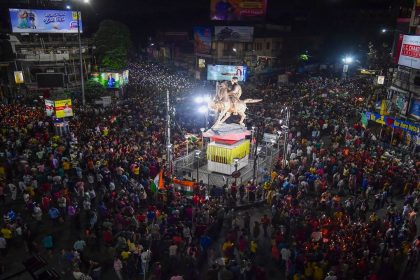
(49, 107)
(415, 108)
(44, 21)
(63, 108)
(226, 72)
(234, 33)
(410, 52)
(202, 40)
(19, 77)
(238, 10)
(108, 79)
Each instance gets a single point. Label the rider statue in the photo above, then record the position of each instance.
(235, 94)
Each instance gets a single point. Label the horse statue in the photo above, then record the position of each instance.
(223, 104)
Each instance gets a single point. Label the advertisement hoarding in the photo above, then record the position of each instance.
(49, 107)
(238, 10)
(109, 79)
(226, 72)
(44, 21)
(50, 80)
(234, 33)
(415, 108)
(19, 77)
(63, 108)
(410, 52)
(202, 40)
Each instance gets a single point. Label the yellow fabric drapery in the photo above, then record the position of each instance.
(226, 155)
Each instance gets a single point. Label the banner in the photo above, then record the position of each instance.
(410, 52)
(49, 107)
(415, 108)
(19, 77)
(238, 10)
(63, 108)
(202, 40)
(44, 21)
(226, 72)
(234, 33)
(394, 123)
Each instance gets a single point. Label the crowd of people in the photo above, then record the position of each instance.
(91, 201)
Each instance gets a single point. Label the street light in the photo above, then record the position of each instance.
(197, 156)
(68, 7)
(199, 99)
(384, 30)
(236, 160)
(348, 60)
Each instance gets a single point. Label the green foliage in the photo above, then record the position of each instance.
(94, 90)
(112, 42)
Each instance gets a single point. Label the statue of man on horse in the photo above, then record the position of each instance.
(228, 102)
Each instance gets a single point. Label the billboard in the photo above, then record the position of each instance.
(238, 10)
(50, 80)
(234, 33)
(226, 72)
(202, 40)
(44, 21)
(415, 108)
(63, 108)
(410, 52)
(19, 77)
(49, 107)
(110, 79)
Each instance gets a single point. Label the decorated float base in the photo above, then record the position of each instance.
(227, 143)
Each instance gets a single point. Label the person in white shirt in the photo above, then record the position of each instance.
(145, 259)
(13, 191)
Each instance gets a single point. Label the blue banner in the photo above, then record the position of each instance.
(415, 108)
(44, 21)
(411, 128)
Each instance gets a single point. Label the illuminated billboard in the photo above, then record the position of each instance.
(226, 72)
(109, 79)
(238, 10)
(44, 21)
(410, 52)
(234, 33)
(202, 40)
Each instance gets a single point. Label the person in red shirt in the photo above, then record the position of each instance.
(265, 221)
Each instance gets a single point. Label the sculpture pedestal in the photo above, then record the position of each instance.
(227, 142)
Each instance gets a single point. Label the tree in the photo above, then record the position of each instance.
(112, 42)
(94, 90)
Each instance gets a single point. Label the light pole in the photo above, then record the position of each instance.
(202, 137)
(204, 108)
(395, 32)
(236, 160)
(285, 129)
(82, 82)
(347, 61)
(252, 139)
(197, 156)
(168, 130)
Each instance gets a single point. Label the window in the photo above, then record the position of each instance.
(267, 46)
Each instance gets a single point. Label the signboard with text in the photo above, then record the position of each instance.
(393, 122)
(63, 108)
(410, 52)
(238, 10)
(44, 21)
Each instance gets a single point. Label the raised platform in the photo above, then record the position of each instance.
(227, 133)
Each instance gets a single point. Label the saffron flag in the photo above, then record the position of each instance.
(157, 183)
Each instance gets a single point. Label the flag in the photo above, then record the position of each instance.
(157, 183)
